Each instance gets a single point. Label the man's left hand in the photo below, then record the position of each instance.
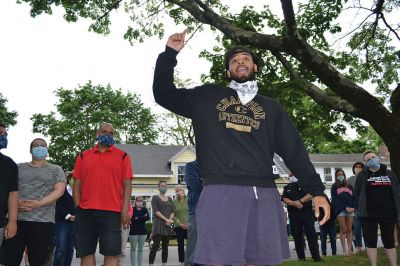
(321, 202)
(125, 219)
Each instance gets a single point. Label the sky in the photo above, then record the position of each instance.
(39, 55)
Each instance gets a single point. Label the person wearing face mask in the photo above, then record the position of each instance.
(357, 167)
(344, 204)
(163, 218)
(102, 192)
(8, 191)
(180, 209)
(40, 185)
(138, 232)
(378, 193)
(237, 132)
(301, 218)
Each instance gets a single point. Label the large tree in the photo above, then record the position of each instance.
(8, 118)
(357, 80)
(79, 114)
(176, 129)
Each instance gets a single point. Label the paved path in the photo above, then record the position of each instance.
(173, 254)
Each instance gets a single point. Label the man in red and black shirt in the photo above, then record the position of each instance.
(102, 191)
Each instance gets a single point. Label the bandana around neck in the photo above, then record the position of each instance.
(246, 91)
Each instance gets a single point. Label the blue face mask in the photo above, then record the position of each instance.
(3, 142)
(340, 178)
(40, 153)
(374, 163)
(162, 190)
(106, 139)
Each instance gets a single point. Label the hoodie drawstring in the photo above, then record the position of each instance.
(255, 192)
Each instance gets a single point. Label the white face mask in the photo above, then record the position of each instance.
(246, 91)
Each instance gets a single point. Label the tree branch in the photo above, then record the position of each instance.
(157, 10)
(389, 27)
(288, 13)
(318, 95)
(298, 48)
(110, 8)
(321, 97)
(292, 72)
(395, 100)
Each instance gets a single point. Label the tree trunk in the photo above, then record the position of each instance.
(389, 130)
(394, 150)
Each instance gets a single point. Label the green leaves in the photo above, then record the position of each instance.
(8, 118)
(356, 40)
(79, 114)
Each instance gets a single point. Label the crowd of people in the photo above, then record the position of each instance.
(359, 204)
(232, 195)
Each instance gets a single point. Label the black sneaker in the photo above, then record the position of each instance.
(318, 259)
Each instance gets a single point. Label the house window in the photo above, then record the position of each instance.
(181, 174)
(327, 174)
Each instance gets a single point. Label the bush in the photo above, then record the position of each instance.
(149, 226)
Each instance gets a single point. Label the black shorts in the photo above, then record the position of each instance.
(97, 225)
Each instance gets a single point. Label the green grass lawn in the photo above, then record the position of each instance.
(358, 259)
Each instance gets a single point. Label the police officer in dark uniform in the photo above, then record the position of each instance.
(301, 216)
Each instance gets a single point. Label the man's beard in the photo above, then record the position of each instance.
(243, 79)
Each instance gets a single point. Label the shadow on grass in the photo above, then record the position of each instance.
(339, 260)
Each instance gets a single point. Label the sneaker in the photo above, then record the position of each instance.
(319, 259)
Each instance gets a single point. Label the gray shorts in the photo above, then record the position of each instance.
(345, 213)
(239, 225)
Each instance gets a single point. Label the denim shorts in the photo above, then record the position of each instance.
(97, 225)
(345, 213)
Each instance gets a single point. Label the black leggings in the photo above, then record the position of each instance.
(36, 236)
(156, 244)
(181, 235)
(370, 231)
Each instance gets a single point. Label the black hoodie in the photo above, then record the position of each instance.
(235, 143)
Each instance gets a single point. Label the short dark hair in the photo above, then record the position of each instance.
(241, 49)
(35, 140)
(367, 152)
(357, 163)
(162, 181)
(3, 125)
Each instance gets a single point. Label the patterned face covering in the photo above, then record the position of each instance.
(374, 163)
(106, 139)
(3, 142)
(246, 90)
